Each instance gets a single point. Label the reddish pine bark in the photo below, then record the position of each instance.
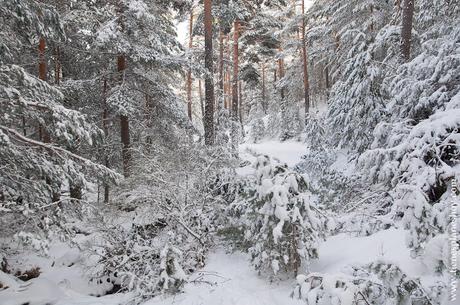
(235, 70)
(57, 66)
(209, 83)
(43, 133)
(240, 97)
(281, 75)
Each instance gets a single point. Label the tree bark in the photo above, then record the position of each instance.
(240, 99)
(305, 65)
(105, 128)
(124, 123)
(42, 132)
(200, 92)
(406, 29)
(209, 83)
(221, 103)
(57, 66)
(264, 107)
(41, 58)
(281, 75)
(189, 73)
(235, 71)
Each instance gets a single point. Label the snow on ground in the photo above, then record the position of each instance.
(62, 280)
(228, 279)
(289, 152)
(342, 250)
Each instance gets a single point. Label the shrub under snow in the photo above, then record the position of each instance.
(282, 226)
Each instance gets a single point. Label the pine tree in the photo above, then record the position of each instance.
(209, 83)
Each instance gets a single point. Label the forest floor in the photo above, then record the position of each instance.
(227, 279)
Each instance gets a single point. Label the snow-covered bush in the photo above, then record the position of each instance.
(168, 218)
(281, 223)
(415, 153)
(144, 259)
(377, 283)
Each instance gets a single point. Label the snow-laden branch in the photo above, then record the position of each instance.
(57, 150)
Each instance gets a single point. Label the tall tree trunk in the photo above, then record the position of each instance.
(57, 66)
(281, 75)
(124, 123)
(235, 70)
(305, 65)
(209, 83)
(264, 107)
(41, 58)
(105, 128)
(228, 76)
(235, 97)
(240, 99)
(200, 92)
(189, 73)
(406, 30)
(43, 133)
(221, 103)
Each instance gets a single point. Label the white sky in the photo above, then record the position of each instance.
(182, 28)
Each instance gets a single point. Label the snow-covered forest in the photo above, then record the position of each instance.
(229, 152)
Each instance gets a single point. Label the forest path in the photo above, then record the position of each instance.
(229, 278)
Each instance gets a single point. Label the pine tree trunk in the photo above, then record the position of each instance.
(105, 128)
(57, 66)
(281, 75)
(209, 83)
(41, 58)
(406, 30)
(43, 133)
(75, 189)
(124, 123)
(305, 65)
(264, 107)
(235, 96)
(221, 103)
(228, 80)
(240, 98)
(200, 92)
(189, 73)
(235, 71)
